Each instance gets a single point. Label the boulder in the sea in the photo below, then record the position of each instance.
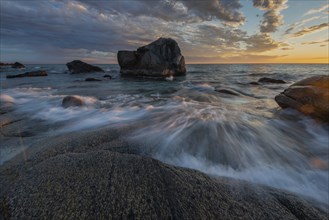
(78, 66)
(17, 65)
(92, 79)
(161, 58)
(270, 80)
(309, 96)
(29, 74)
(72, 101)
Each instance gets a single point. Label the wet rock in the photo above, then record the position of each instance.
(107, 76)
(105, 184)
(7, 103)
(17, 65)
(254, 83)
(78, 66)
(92, 79)
(71, 101)
(270, 80)
(309, 96)
(227, 91)
(161, 58)
(29, 74)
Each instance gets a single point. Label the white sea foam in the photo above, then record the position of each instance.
(226, 141)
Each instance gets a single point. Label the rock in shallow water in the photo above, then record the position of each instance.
(17, 65)
(71, 101)
(270, 80)
(29, 74)
(78, 66)
(92, 79)
(309, 96)
(161, 58)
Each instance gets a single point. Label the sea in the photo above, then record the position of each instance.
(186, 121)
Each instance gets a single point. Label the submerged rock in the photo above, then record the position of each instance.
(270, 80)
(71, 101)
(227, 91)
(78, 66)
(309, 96)
(107, 76)
(92, 79)
(161, 58)
(29, 74)
(17, 65)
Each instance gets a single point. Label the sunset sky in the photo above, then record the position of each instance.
(208, 31)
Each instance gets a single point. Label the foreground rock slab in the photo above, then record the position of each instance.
(29, 74)
(161, 58)
(78, 66)
(103, 184)
(309, 96)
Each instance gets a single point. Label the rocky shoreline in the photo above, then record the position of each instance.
(101, 174)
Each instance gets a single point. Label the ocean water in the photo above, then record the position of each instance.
(187, 123)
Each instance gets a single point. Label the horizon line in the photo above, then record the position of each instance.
(186, 63)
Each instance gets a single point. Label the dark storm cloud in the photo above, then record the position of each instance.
(272, 19)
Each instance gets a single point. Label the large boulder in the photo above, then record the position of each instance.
(17, 65)
(29, 74)
(309, 96)
(78, 66)
(161, 58)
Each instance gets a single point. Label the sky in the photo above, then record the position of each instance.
(207, 31)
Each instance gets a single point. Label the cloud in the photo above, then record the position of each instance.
(300, 23)
(225, 10)
(57, 31)
(317, 10)
(235, 41)
(272, 19)
(310, 30)
(262, 42)
(315, 42)
(270, 4)
(175, 10)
